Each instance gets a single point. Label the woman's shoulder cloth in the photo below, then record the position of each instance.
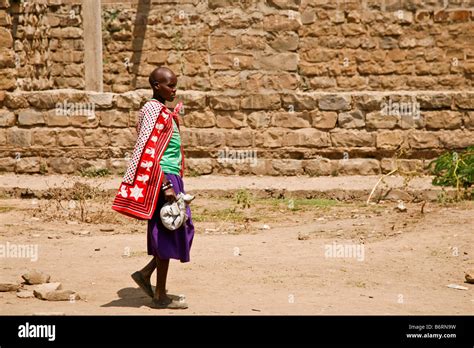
(152, 109)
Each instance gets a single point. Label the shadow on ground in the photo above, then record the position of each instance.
(134, 297)
(129, 297)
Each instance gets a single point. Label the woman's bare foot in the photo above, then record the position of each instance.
(143, 282)
(167, 303)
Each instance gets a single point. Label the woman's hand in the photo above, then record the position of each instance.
(170, 195)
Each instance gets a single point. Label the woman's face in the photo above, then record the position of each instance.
(167, 88)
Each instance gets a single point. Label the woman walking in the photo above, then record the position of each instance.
(154, 177)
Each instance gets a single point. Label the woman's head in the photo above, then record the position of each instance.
(163, 81)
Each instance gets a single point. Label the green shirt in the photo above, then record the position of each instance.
(171, 160)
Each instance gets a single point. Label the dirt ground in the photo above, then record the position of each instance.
(251, 256)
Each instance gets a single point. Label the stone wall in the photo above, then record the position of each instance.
(291, 45)
(48, 45)
(7, 60)
(281, 134)
(318, 45)
(295, 87)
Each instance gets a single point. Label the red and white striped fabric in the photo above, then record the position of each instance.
(140, 187)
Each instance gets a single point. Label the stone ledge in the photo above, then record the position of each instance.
(288, 128)
(344, 188)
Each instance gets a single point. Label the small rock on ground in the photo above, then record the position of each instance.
(25, 294)
(303, 236)
(470, 277)
(8, 286)
(44, 287)
(36, 277)
(57, 295)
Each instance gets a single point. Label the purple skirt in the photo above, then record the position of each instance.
(166, 244)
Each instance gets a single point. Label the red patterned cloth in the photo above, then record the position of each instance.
(140, 187)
